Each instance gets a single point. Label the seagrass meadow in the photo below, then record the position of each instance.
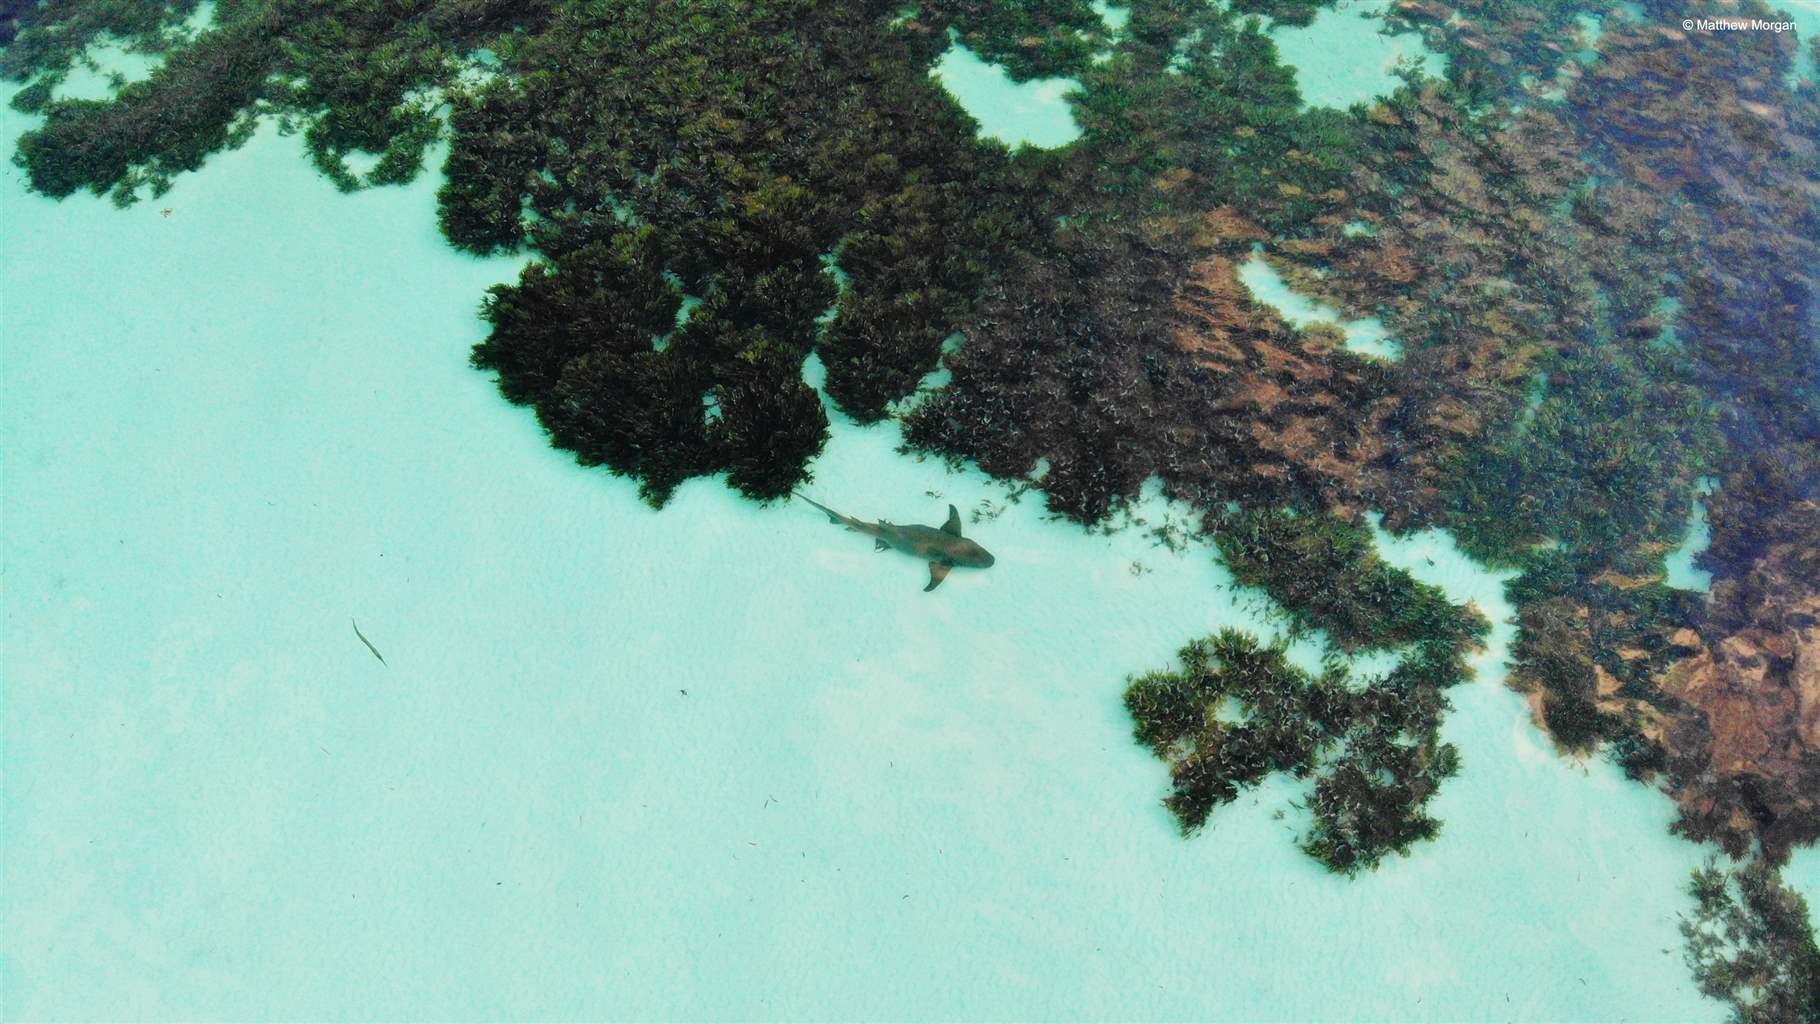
(1469, 385)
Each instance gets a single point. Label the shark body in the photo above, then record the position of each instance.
(942, 547)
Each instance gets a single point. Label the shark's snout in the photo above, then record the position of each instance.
(974, 557)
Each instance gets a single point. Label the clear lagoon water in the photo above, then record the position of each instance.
(1034, 112)
(1343, 57)
(112, 67)
(1366, 336)
(720, 761)
(1681, 571)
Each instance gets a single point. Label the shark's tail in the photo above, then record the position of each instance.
(833, 516)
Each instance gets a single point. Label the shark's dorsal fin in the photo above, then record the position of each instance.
(953, 525)
(938, 571)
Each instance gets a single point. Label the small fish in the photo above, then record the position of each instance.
(369, 643)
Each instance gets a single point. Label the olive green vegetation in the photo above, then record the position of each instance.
(1028, 38)
(809, 133)
(354, 73)
(154, 129)
(1238, 712)
(751, 140)
(1200, 95)
(1070, 353)
(1573, 626)
(1604, 466)
(376, 109)
(1327, 572)
(739, 144)
(1276, 720)
(1284, 12)
(1235, 712)
(142, 27)
(1751, 944)
(1503, 44)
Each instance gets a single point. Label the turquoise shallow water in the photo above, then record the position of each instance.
(1681, 571)
(1367, 337)
(1806, 15)
(1034, 112)
(1342, 57)
(96, 83)
(232, 428)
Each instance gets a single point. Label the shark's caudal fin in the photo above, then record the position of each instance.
(833, 516)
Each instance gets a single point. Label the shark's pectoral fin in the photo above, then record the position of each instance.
(938, 571)
(879, 544)
(953, 525)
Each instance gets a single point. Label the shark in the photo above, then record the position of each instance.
(942, 547)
